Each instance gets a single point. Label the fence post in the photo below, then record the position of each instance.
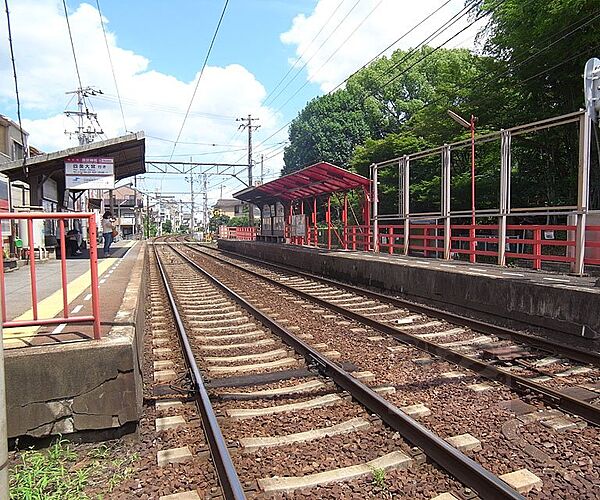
(583, 189)
(505, 168)
(446, 200)
(537, 249)
(375, 208)
(3, 420)
(94, 273)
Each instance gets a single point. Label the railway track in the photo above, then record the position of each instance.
(281, 417)
(364, 346)
(564, 376)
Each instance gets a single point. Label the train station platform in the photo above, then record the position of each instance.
(510, 296)
(59, 379)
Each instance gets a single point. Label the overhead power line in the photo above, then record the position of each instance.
(72, 44)
(112, 68)
(212, 42)
(315, 53)
(329, 19)
(12, 58)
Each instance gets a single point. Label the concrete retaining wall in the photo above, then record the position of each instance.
(567, 310)
(87, 386)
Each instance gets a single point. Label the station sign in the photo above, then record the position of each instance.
(89, 173)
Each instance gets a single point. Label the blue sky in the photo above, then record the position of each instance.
(158, 47)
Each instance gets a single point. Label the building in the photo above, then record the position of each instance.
(127, 207)
(232, 208)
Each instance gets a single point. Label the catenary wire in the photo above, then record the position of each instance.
(212, 42)
(12, 57)
(112, 68)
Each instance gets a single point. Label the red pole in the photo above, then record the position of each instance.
(329, 222)
(63, 266)
(537, 248)
(2, 284)
(368, 221)
(473, 243)
(316, 234)
(32, 268)
(94, 273)
(345, 217)
(304, 219)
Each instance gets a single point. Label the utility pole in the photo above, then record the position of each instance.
(84, 134)
(262, 169)
(147, 217)
(247, 123)
(205, 207)
(192, 204)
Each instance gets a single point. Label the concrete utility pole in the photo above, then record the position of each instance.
(262, 169)
(247, 123)
(205, 201)
(84, 134)
(192, 204)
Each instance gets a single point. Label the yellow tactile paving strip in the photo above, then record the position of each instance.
(53, 304)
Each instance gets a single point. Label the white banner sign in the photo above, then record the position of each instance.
(89, 173)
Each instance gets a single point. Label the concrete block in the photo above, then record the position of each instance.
(465, 442)
(164, 423)
(365, 376)
(163, 364)
(522, 481)
(186, 495)
(418, 410)
(445, 496)
(453, 374)
(164, 375)
(480, 387)
(166, 405)
(173, 456)
(159, 341)
(162, 351)
(560, 424)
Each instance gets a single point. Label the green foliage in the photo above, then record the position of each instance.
(59, 473)
(167, 226)
(150, 229)
(218, 220)
(529, 68)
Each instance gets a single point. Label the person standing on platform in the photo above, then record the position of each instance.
(108, 231)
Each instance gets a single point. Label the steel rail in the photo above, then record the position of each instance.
(573, 353)
(227, 475)
(521, 384)
(466, 470)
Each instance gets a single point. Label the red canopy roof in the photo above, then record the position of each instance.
(318, 179)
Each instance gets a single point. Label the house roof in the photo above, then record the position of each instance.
(318, 179)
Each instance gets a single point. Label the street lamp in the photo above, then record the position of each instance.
(471, 126)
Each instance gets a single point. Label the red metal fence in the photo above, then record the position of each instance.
(94, 318)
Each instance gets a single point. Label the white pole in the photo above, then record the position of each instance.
(3, 422)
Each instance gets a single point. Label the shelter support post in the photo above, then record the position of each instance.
(583, 190)
(405, 209)
(446, 158)
(314, 217)
(505, 168)
(375, 202)
(328, 222)
(302, 238)
(345, 221)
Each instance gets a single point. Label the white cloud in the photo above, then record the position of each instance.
(387, 22)
(153, 101)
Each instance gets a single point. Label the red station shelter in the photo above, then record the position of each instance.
(290, 205)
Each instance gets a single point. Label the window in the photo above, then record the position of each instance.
(17, 151)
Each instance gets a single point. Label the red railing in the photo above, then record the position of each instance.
(239, 233)
(527, 241)
(94, 318)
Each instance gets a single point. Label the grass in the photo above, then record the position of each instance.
(379, 478)
(60, 473)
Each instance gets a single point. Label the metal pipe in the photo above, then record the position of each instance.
(95, 289)
(2, 284)
(4, 493)
(63, 266)
(32, 268)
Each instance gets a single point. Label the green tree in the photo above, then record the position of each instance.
(216, 221)
(327, 129)
(167, 226)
